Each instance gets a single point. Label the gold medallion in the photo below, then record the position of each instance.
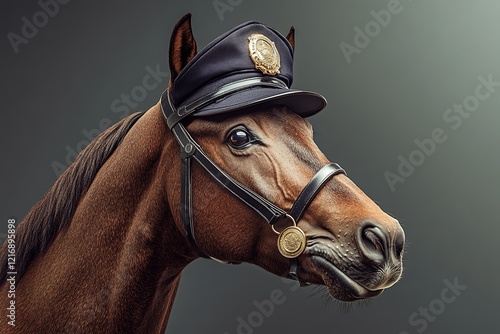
(291, 242)
(264, 54)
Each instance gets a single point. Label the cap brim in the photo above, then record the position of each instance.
(301, 102)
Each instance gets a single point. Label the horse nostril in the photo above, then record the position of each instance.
(372, 242)
(399, 243)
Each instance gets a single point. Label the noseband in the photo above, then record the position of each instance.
(292, 240)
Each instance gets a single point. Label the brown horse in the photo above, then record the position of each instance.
(104, 249)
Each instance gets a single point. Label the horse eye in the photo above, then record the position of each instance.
(239, 138)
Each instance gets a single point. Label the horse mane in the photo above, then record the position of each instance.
(54, 211)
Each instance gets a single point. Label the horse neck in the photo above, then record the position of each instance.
(123, 241)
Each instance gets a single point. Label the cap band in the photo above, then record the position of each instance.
(184, 111)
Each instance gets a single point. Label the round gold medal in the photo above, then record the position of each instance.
(291, 242)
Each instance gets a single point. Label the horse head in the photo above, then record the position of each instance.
(231, 103)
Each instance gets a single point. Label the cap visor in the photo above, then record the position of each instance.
(301, 102)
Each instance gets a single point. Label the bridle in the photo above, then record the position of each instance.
(292, 240)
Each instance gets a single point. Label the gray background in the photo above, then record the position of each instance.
(394, 91)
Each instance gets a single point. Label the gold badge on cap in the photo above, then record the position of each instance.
(264, 54)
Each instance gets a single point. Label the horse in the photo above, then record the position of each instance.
(104, 249)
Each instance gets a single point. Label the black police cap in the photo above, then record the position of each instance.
(248, 68)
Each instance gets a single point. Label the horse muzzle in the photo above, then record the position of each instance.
(357, 269)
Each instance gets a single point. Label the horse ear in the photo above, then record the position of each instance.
(182, 46)
(291, 37)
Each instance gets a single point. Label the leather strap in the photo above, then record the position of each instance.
(312, 188)
(231, 88)
(305, 198)
(267, 210)
(187, 197)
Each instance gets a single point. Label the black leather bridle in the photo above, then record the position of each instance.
(191, 150)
